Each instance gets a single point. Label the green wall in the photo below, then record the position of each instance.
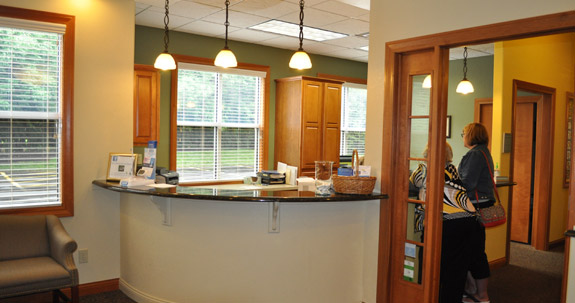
(460, 107)
(149, 43)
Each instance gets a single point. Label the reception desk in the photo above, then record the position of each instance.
(187, 244)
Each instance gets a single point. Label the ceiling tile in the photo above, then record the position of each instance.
(349, 26)
(216, 3)
(271, 10)
(158, 3)
(309, 3)
(206, 28)
(364, 17)
(313, 17)
(340, 8)
(284, 42)
(364, 4)
(349, 42)
(237, 19)
(140, 7)
(347, 53)
(153, 18)
(192, 10)
(319, 48)
(250, 35)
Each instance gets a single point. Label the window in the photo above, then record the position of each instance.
(353, 111)
(36, 55)
(219, 122)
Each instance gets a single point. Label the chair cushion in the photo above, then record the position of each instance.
(32, 275)
(23, 237)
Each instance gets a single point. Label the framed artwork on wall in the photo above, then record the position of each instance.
(569, 125)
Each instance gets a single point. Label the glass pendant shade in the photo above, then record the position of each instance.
(465, 87)
(165, 61)
(300, 60)
(226, 58)
(426, 82)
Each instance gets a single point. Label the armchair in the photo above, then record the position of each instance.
(36, 256)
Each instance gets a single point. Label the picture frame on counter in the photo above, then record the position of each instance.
(121, 166)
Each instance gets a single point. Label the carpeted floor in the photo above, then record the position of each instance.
(531, 277)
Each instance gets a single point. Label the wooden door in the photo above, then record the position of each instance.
(146, 104)
(332, 122)
(312, 95)
(484, 115)
(418, 120)
(522, 173)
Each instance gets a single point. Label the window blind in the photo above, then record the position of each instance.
(30, 126)
(353, 112)
(219, 116)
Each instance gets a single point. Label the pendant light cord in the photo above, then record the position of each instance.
(465, 63)
(301, 4)
(166, 30)
(227, 23)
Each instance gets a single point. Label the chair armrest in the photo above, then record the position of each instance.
(62, 246)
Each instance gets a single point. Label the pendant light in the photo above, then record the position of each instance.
(225, 57)
(300, 59)
(426, 82)
(465, 87)
(165, 61)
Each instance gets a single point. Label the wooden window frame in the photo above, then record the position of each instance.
(264, 147)
(66, 208)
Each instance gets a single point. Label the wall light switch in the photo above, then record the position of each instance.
(83, 256)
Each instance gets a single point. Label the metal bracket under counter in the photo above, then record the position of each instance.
(274, 217)
(165, 207)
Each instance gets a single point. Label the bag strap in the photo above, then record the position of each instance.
(492, 180)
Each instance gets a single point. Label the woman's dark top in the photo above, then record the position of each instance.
(476, 175)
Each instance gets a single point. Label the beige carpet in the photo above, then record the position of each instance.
(531, 277)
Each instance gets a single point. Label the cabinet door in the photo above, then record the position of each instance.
(146, 104)
(311, 128)
(332, 122)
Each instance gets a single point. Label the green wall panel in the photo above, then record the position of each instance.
(149, 43)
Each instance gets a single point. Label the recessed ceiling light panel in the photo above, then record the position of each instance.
(292, 30)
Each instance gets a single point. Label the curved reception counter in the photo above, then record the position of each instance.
(199, 244)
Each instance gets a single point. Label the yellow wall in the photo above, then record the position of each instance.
(530, 60)
(103, 93)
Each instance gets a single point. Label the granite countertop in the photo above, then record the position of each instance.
(224, 193)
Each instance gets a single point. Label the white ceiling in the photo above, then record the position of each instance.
(206, 18)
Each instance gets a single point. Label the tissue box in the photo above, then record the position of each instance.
(305, 184)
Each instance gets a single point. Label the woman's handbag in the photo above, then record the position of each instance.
(493, 215)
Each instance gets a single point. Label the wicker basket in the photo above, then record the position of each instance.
(353, 184)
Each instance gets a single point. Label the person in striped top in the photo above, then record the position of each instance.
(459, 228)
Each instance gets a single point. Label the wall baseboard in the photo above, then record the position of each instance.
(498, 263)
(556, 243)
(96, 287)
(139, 296)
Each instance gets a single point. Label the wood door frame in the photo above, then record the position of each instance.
(543, 165)
(440, 44)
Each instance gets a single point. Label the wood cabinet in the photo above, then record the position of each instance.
(146, 104)
(308, 122)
